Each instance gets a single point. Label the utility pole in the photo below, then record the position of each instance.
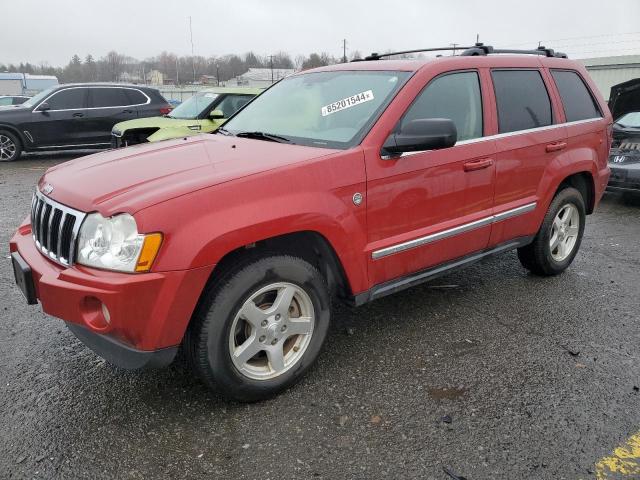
(454, 45)
(344, 50)
(477, 38)
(218, 73)
(177, 72)
(271, 65)
(193, 58)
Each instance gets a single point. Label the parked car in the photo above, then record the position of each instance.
(74, 116)
(350, 182)
(624, 158)
(8, 100)
(202, 113)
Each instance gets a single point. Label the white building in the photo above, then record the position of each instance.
(609, 71)
(260, 77)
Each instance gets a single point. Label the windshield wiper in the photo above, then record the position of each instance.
(264, 136)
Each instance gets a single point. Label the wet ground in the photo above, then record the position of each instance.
(490, 373)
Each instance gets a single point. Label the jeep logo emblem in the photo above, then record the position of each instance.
(47, 189)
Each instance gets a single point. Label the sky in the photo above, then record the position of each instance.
(52, 31)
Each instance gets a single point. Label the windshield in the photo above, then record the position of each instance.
(195, 106)
(631, 119)
(35, 100)
(325, 109)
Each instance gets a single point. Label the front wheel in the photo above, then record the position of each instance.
(558, 240)
(10, 147)
(260, 327)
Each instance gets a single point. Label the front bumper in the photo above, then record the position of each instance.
(624, 178)
(147, 314)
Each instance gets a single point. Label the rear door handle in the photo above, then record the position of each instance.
(478, 164)
(78, 114)
(127, 111)
(555, 147)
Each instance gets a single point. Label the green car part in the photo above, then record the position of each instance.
(204, 112)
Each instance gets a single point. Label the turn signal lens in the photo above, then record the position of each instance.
(150, 247)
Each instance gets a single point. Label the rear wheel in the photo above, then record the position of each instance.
(558, 240)
(260, 328)
(10, 147)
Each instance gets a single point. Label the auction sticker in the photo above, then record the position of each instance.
(348, 102)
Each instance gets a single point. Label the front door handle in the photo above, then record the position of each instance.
(556, 147)
(478, 164)
(78, 114)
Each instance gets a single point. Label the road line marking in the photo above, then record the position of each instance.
(625, 460)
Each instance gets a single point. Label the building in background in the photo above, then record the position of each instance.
(609, 71)
(25, 83)
(260, 77)
(155, 77)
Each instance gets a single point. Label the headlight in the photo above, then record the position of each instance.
(115, 244)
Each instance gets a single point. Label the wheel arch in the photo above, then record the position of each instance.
(16, 132)
(585, 184)
(309, 245)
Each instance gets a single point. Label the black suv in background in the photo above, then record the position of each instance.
(74, 116)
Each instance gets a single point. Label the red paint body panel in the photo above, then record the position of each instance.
(212, 194)
(147, 311)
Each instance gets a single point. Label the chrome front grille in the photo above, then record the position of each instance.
(55, 228)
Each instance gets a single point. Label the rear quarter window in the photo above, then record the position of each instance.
(136, 97)
(577, 101)
(522, 100)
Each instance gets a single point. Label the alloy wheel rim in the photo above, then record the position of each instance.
(271, 331)
(564, 232)
(7, 148)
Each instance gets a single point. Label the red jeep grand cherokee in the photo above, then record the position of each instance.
(350, 181)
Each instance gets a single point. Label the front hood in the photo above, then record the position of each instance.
(9, 111)
(625, 98)
(155, 122)
(130, 179)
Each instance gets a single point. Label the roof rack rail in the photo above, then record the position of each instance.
(477, 49)
(378, 56)
(482, 49)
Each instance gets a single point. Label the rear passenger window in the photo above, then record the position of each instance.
(522, 99)
(107, 97)
(577, 101)
(68, 99)
(136, 97)
(455, 96)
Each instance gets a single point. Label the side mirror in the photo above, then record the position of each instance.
(422, 134)
(216, 114)
(44, 107)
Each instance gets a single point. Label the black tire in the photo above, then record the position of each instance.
(206, 343)
(537, 256)
(9, 140)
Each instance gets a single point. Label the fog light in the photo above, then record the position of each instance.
(95, 314)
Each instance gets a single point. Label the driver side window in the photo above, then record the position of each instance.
(455, 96)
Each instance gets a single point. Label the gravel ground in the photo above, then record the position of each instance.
(489, 372)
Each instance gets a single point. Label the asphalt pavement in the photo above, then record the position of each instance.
(490, 373)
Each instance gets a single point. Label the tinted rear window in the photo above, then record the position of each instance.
(522, 98)
(108, 97)
(135, 97)
(577, 101)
